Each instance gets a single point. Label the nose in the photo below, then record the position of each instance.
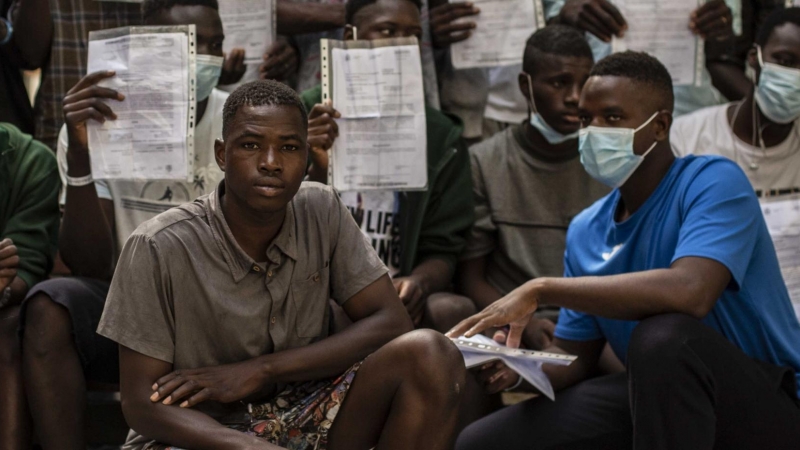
(574, 95)
(270, 160)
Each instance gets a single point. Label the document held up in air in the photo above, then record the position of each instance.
(479, 350)
(249, 25)
(152, 137)
(377, 87)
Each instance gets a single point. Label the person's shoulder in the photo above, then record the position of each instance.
(315, 197)
(597, 211)
(27, 153)
(491, 151)
(162, 227)
(699, 120)
(714, 175)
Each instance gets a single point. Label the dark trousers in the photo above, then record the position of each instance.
(686, 388)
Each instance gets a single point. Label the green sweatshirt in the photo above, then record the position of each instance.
(435, 222)
(29, 215)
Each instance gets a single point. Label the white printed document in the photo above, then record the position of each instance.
(783, 222)
(249, 25)
(661, 29)
(479, 350)
(151, 137)
(502, 29)
(377, 87)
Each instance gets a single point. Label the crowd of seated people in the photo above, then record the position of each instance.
(580, 202)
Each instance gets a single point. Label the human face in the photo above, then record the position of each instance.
(264, 157)
(782, 48)
(207, 24)
(619, 102)
(386, 19)
(557, 82)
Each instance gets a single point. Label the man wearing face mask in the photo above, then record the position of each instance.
(676, 270)
(762, 132)
(528, 181)
(61, 349)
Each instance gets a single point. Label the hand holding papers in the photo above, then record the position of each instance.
(479, 350)
(783, 222)
(152, 136)
(248, 25)
(378, 89)
(502, 28)
(661, 29)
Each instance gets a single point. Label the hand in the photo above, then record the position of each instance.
(412, 293)
(233, 68)
(444, 29)
(515, 309)
(280, 61)
(713, 20)
(225, 384)
(9, 261)
(322, 127)
(598, 17)
(86, 101)
(539, 333)
(496, 376)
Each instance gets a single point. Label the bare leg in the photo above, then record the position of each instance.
(15, 420)
(444, 310)
(54, 380)
(405, 396)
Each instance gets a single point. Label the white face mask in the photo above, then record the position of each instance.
(537, 121)
(778, 91)
(607, 153)
(207, 71)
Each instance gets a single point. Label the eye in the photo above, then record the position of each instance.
(250, 145)
(290, 148)
(558, 84)
(613, 118)
(386, 31)
(585, 119)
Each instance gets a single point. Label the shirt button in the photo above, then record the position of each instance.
(269, 273)
(316, 277)
(273, 320)
(256, 268)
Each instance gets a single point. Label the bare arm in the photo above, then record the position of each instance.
(472, 282)
(299, 18)
(87, 229)
(430, 276)
(690, 286)
(378, 318)
(33, 32)
(172, 425)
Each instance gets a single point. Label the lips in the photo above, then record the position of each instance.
(571, 118)
(269, 187)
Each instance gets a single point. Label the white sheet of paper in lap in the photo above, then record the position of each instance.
(783, 222)
(151, 137)
(662, 29)
(479, 350)
(249, 25)
(382, 143)
(502, 29)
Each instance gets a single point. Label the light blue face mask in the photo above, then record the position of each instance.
(607, 153)
(778, 91)
(207, 71)
(550, 134)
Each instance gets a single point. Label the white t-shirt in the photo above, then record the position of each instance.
(136, 201)
(772, 171)
(377, 214)
(505, 102)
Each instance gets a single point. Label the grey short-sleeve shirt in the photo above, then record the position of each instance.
(186, 293)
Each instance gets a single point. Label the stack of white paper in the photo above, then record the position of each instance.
(249, 25)
(479, 350)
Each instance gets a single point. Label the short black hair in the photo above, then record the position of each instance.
(774, 20)
(559, 40)
(642, 68)
(260, 93)
(354, 6)
(152, 7)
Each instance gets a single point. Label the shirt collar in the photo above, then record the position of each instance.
(239, 262)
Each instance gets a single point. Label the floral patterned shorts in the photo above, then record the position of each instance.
(300, 417)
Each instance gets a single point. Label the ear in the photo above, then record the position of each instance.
(752, 61)
(522, 80)
(348, 33)
(219, 153)
(663, 122)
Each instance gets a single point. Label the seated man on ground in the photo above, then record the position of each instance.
(60, 347)
(676, 270)
(220, 308)
(29, 217)
(762, 132)
(430, 227)
(528, 181)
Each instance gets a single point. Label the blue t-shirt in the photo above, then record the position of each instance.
(704, 207)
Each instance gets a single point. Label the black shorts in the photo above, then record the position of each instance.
(84, 299)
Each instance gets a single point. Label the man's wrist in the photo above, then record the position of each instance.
(78, 161)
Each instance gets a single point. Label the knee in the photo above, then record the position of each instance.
(659, 339)
(445, 310)
(432, 360)
(47, 326)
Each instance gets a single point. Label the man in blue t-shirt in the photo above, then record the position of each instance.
(674, 269)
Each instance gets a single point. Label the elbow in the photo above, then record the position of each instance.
(136, 414)
(698, 301)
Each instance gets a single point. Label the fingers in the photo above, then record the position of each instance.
(465, 325)
(91, 79)
(501, 381)
(200, 397)
(454, 32)
(234, 61)
(449, 12)
(323, 108)
(515, 335)
(91, 103)
(7, 249)
(500, 336)
(615, 14)
(279, 61)
(404, 292)
(605, 20)
(184, 389)
(8, 273)
(444, 31)
(712, 20)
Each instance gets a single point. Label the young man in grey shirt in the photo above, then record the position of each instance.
(529, 182)
(220, 308)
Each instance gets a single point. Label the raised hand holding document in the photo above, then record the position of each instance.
(249, 25)
(377, 87)
(152, 137)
